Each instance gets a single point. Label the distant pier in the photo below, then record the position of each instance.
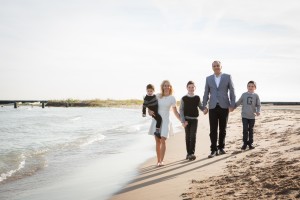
(15, 102)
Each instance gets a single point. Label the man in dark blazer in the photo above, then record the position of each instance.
(219, 104)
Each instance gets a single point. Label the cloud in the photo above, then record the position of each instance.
(137, 42)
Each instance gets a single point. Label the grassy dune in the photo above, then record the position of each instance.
(95, 103)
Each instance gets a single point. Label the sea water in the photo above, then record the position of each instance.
(70, 153)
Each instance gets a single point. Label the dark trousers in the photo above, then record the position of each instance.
(248, 125)
(190, 135)
(158, 119)
(218, 118)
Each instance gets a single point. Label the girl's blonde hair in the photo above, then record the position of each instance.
(162, 88)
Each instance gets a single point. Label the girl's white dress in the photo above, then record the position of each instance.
(164, 105)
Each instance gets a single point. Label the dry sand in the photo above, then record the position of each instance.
(270, 171)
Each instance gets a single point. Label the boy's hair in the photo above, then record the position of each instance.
(253, 82)
(190, 83)
(150, 86)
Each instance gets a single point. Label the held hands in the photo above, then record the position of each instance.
(178, 116)
(205, 111)
(184, 124)
(231, 109)
(257, 113)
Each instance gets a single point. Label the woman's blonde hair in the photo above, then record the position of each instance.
(162, 87)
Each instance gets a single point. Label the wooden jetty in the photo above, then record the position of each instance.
(15, 102)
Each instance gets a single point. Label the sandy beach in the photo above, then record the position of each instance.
(270, 171)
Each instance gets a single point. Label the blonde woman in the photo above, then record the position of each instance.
(166, 100)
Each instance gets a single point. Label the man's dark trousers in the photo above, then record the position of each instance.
(218, 118)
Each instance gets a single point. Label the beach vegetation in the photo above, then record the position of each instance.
(95, 103)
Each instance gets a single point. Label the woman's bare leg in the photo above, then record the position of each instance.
(158, 149)
(163, 149)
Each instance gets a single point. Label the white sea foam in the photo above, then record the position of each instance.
(134, 128)
(93, 140)
(76, 118)
(8, 174)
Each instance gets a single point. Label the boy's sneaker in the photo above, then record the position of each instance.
(212, 154)
(251, 147)
(187, 157)
(244, 147)
(221, 151)
(192, 157)
(157, 134)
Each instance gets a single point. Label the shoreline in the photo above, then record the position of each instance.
(229, 173)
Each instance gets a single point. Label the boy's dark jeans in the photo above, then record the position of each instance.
(248, 125)
(190, 135)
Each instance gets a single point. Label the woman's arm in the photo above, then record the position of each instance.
(181, 111)
(176, 113)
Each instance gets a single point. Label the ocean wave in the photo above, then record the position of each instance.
(75, 118)
(19, 165)
(53, 137)
(26, 164)
(91, 140)
(135, 128)
(10, 173)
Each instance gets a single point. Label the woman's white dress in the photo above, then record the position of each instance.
(164, 105)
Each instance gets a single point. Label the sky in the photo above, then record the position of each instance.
(99, 49)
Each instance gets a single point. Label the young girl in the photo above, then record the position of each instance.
(189, 113)
(250, 107)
